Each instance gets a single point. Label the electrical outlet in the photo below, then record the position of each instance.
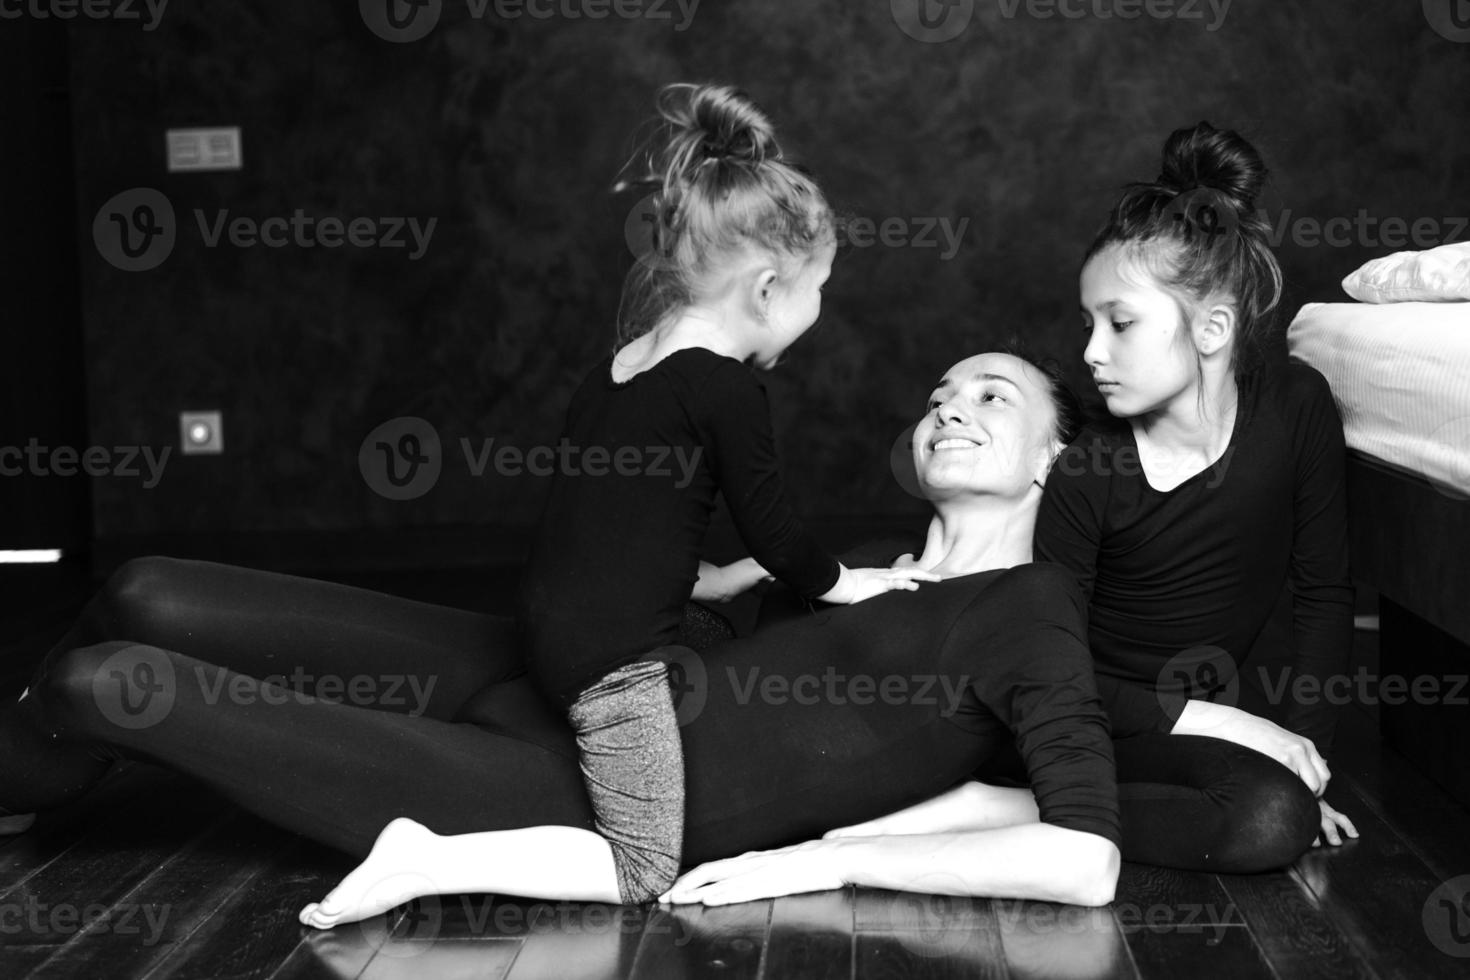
(201, 433)
(204, 149)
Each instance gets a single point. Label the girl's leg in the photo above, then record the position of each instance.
(1205, 804)
(336, 642)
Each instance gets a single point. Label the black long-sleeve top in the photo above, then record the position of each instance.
(616, 555)
(1169, 573)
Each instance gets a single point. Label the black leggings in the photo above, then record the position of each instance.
(331, 710)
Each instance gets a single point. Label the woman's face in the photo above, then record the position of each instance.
(988, 430)
(1140, 348)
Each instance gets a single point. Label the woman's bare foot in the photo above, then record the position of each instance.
(15, 823)
(386, 878)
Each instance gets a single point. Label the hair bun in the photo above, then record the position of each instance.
(1220, 159)
(716, 122)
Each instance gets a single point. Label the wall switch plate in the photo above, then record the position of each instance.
(204, 149)
(201, 433)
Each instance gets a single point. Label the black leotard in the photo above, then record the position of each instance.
(617, 551)
(950, 671)
(1202, 565)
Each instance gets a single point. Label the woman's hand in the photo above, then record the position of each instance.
(1332, 824)
(1243, 728)
(809, 867)
(857, 584)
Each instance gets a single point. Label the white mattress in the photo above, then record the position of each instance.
(1401, 375)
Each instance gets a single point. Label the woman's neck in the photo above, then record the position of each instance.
(970, 535)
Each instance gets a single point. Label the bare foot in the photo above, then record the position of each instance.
(15, 823)
(387, 878)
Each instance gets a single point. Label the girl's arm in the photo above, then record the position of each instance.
(721, 583)
(1033, 861)
(1321, 588)
(969, 806)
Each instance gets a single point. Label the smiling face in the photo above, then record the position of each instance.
(989, 429)
(1140, 347)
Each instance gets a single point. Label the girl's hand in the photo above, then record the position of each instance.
(1243, 728)
(1332, 823)
(809, 867)
(857, 584)
(721, 583)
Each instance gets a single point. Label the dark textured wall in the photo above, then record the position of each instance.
(509, 132)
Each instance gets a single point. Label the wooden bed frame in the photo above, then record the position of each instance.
(1410, 541)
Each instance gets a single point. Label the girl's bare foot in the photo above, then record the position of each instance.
(15, 823)
(386, 878)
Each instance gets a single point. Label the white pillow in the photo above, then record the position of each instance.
(1436, 276)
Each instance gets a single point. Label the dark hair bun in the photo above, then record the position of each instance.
(1203, 156)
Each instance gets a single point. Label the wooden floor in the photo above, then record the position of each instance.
(152, 876)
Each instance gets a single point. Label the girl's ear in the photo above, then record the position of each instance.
(763, 289)
(1215, 329)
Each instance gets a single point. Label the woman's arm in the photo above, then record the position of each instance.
(1032, 861)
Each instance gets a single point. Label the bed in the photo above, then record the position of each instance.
(1400, 373)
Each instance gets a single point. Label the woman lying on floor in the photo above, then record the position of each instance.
(141, 676)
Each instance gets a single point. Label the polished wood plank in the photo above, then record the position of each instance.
(811, 937)
(1375, 890)
(587, 941)
(1046, 939)
(143, 926)
(693, 941)
(1198, 952)
(1296, 936)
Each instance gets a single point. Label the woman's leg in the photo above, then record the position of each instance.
(319, 638)
(1205, 804)
(336, 773)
